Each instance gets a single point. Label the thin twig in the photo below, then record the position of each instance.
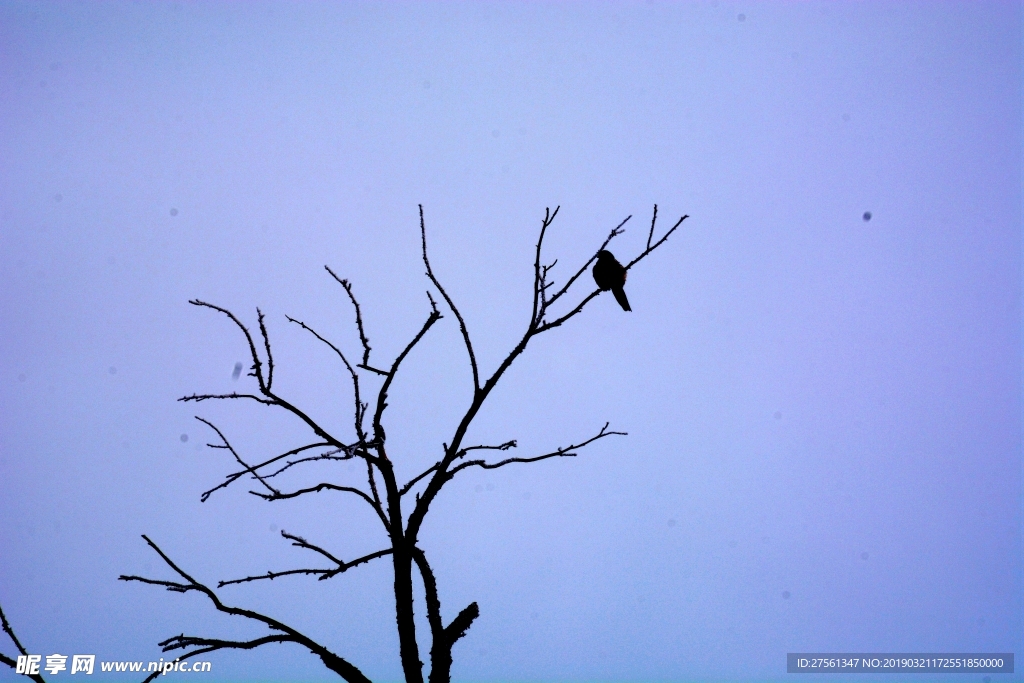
(371, 480)
(564, 452)
(654, 219)
(272, 399)
(539, 302)
(257, 366)
(323, 456)
(412, 482)
(451, 305)
(11, 661)
(616, 231)
(300, 542)
(657, 244)
(266, 345)
(355, 378)
(558, 321)
(197, 398)
(275, 575)
(359, 324)
(378, 428)
(234, 476)
(241, 462)
(327, 487)
(501, 447)
(10, 632)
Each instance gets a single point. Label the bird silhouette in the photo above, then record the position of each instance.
(609, 274)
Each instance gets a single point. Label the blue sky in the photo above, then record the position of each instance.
(824, 413)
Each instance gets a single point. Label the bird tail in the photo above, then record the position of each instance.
(620, 296)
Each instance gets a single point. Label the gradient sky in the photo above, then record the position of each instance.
(824, 412)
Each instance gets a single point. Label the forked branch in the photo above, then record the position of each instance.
(615, 232)
(360, 406)
(234, 476)
(382, 397)
(298, 541)
(257, 365)
(269, 397)
(373, 502)
(329, 455)
(412, 482)
(650, 235)
(227, 446)
(451, 305)
(201, 645)
(12, 661)
(563, 452)
(443, 637)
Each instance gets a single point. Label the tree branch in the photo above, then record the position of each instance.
(355, 378)
(10, 632)
(433, 609)
(657, 244)
(257, 366)
(378, 428)
(277, 495)
(564, 452)
(237, 457)
(503, 447)
(547, 326)
(461, 623)
(616, 231)
(496, 465)
(12, 661)
(258, 373)
(539, 273)
(359, 324)
(205, 397)
(650, 234)
(273, 575)
(372, 481)
(451, 305)
(300, 542)
(412, 482)
(330, 455)
(442, 638)
(266, 345)
(340, 666)
(234, 476)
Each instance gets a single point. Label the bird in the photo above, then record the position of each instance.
(609, 274)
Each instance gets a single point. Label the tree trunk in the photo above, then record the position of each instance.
(408, 649)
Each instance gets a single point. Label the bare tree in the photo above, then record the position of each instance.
(387, 496)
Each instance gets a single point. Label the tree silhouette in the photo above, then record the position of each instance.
(389, 498)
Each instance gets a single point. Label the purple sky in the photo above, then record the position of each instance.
(824, 412)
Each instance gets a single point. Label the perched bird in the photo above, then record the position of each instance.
(609, 274)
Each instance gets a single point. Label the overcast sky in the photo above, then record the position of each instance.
(820, 377)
